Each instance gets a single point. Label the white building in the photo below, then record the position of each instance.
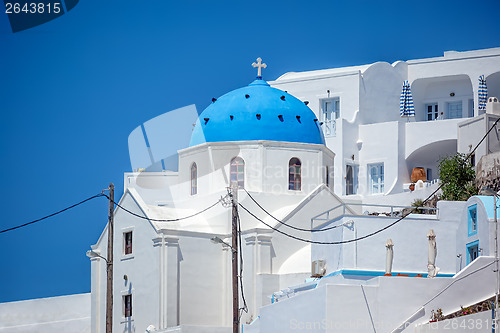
(309, 169)
(270, 143)
(169, 275)
(375, 148)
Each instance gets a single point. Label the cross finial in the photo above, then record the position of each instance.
(259, 66)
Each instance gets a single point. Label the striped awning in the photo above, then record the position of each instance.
(406, 108)
(482, 94)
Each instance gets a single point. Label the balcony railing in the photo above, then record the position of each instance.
(381, 211)
(329, 127)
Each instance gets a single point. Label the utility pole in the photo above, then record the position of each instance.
(496, 263)
(109, 262)
(236, 310)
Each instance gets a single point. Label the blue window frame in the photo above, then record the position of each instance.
(472, 220)
(472, 251)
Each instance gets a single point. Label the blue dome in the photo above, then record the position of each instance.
(257, 112)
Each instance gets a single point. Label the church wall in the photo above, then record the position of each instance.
(285, 246)
(277, 159)
(140, 268)
(153, 187)
(203, 159)
(202, 282)
(250, 154)
(275, 203)
(266, 166)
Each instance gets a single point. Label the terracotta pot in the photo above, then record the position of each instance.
(418, 174)
(412, 187)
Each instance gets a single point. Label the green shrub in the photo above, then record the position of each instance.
(457, 177)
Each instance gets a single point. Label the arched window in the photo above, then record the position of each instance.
(294, 180)
(238, 171)
(194, 179)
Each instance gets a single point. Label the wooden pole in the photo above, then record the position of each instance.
(236, 317)
(109, 262)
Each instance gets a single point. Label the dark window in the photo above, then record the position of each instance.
(127, 239)
(432, 111)
(127, 306)
(294, 169)
(472, 251)
(349, 180)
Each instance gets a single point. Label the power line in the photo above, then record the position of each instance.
(53, 214)
(221, 199)
(318, 242)
(245, 307)
(466, 159)
(379, 230)
(104, 195)
(167, 220)
(288, 225)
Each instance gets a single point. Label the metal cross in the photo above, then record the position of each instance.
(259, 66)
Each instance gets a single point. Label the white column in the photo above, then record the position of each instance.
(257, 261)
(158, 242)
(96, 297)
(168, 280)
(172, 296)
(250, 276)
(264, 251)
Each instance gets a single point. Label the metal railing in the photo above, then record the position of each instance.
(329, 127)
(390, 211)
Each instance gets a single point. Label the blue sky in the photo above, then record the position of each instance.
(73, 89)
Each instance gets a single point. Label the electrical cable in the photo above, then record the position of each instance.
(379, 230)
(288, 225)
(167, 220)
(220, 200)
(245, 307)
(466, 158)
(318, 242)
(53, 214)
(104, 195)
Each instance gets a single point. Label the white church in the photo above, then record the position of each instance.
(314, 155)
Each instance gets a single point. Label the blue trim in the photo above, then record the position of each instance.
(468, 246)
(355, 272)
(487, 201)
(471, 215)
